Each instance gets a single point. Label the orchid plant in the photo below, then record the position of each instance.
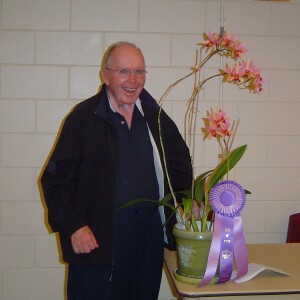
(244, 74)
(216, 125)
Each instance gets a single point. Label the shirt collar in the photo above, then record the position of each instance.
(137, 103)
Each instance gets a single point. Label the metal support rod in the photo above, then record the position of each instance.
(221, 57)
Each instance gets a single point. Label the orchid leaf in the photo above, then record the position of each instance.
(164, 201)
(199, 191)
(194, 224)
(203, 175)
(226, 165)
(200, 186)
(169, 196)
(187, 205)
(138, 201)
(141, 200)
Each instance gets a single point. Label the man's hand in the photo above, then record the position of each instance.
(83, 240)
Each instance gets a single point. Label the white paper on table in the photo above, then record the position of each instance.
(253, 270)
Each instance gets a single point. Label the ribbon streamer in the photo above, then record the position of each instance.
(227, 199)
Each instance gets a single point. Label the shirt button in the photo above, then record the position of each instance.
(122, 122)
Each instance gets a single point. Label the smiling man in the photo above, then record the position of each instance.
(108, 153)
(124, 74)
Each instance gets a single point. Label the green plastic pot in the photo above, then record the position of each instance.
(192, 252)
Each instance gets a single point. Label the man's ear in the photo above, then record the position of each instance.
(104, 76)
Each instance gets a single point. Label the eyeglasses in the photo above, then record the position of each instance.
(126, 73)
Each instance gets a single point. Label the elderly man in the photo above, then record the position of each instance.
(108, 153)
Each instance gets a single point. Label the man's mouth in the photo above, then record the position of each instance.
(130, 90)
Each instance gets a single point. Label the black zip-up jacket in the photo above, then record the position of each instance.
(79, 179)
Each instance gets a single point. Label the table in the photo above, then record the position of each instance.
(282, 256)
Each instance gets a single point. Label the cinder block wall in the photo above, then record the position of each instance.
(50, 54)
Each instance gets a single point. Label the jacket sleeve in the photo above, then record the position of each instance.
(60, 177)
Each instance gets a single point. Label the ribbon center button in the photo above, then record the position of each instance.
(227, 198)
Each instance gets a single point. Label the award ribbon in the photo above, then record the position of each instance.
(227, 199)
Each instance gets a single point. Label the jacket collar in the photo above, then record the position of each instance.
(103, 105)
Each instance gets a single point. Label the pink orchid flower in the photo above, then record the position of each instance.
(238, 50)
(217, 124)
(210, 40)
(228, 40)
(234, 74)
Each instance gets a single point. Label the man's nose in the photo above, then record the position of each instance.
(132, 76)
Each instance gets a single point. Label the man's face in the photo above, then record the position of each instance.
(124, 91)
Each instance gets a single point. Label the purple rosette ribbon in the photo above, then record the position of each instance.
(227, 199)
